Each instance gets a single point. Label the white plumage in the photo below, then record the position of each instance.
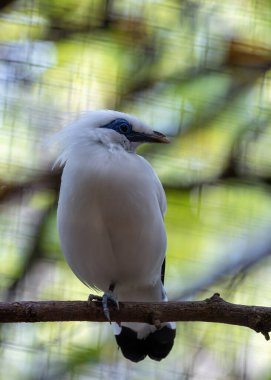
(110, 213)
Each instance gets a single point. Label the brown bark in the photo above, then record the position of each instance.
(213, 309)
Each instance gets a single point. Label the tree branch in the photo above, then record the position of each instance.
(214, 309)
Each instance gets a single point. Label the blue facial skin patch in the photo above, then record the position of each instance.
(123, 127)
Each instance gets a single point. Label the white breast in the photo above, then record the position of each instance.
(110, 219)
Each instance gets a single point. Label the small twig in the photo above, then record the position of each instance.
(214, 309)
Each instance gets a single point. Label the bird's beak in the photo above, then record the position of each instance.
(153, 137)
(158, 137)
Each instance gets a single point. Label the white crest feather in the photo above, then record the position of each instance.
(85, 130)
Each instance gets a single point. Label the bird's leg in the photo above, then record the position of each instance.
(109, 296)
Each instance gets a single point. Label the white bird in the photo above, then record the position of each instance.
(110, 220)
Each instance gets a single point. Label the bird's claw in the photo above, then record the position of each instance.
(93, 298)
(105, 299)
(109, 297)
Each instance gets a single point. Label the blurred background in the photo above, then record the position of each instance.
(196, 70)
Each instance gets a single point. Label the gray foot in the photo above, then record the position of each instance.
(109, 296)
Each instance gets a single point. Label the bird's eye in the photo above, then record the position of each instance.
(123, 128)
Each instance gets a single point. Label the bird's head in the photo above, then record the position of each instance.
(110, 128)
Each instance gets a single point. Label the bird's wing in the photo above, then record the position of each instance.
(160, 192)
(163, 268)
(161, 196)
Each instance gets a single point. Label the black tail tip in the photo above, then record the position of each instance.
(160, 342)
(156, 345)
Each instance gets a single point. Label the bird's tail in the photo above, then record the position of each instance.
(156, 344)
(138, 340)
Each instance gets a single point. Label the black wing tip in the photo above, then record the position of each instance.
(157, 345)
